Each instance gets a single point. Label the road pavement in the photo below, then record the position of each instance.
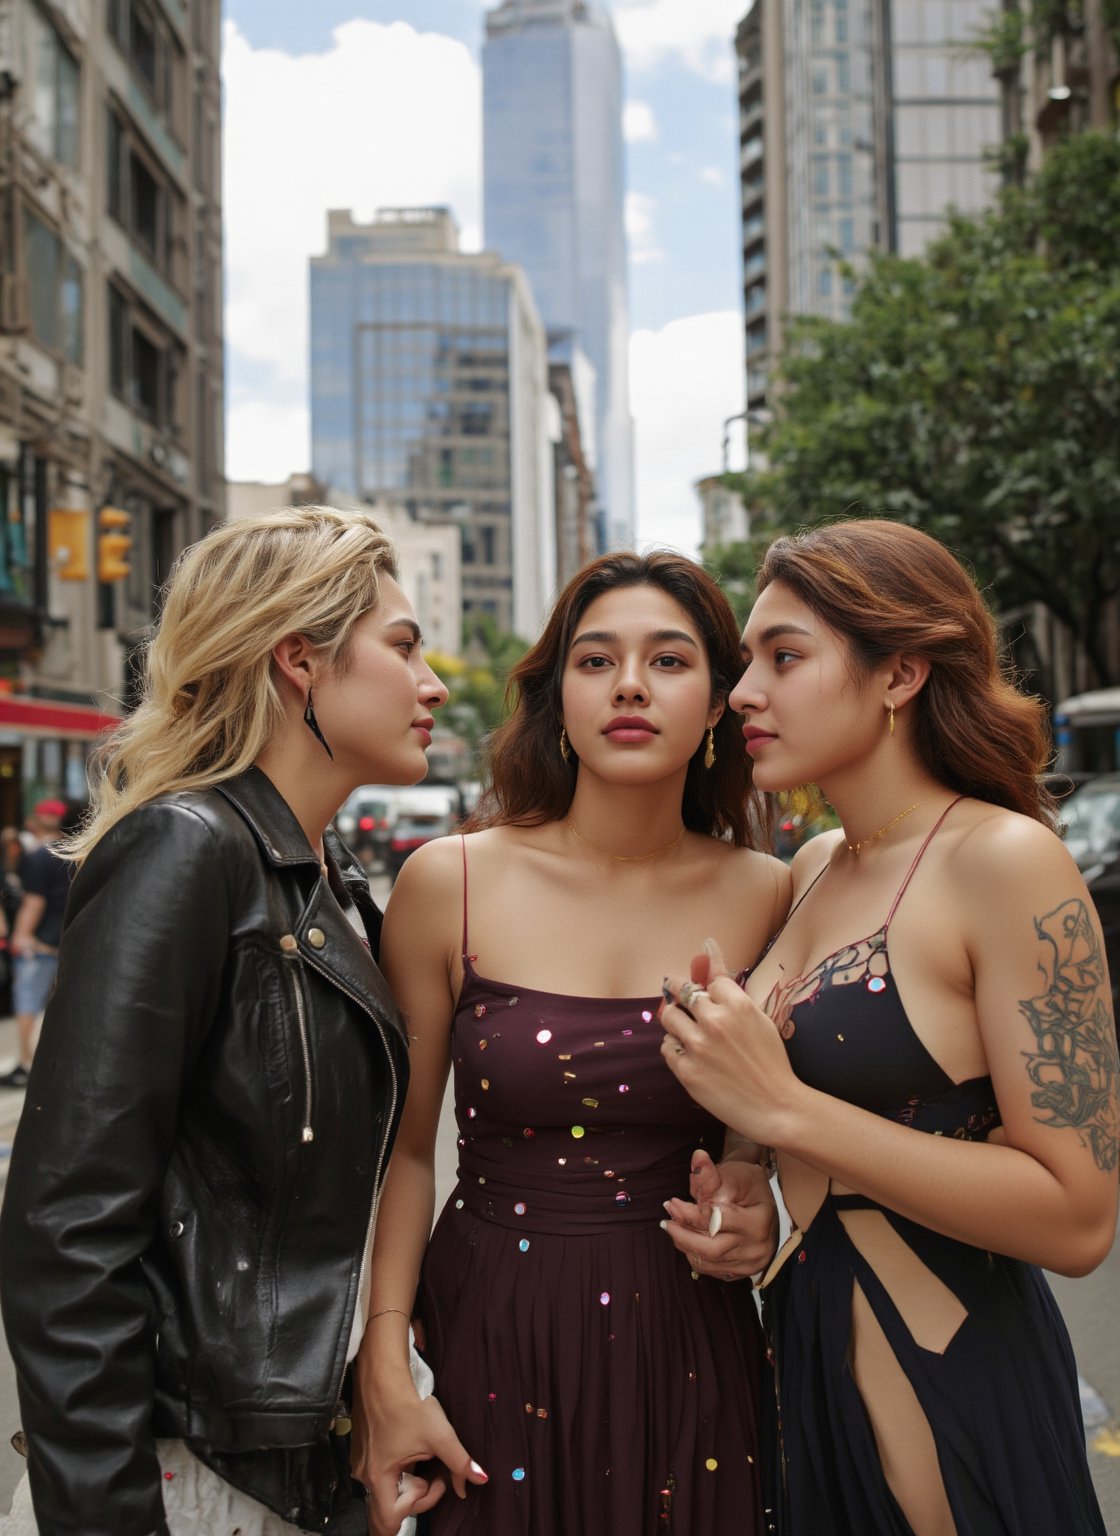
(1091, 1308)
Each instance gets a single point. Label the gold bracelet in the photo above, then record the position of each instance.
(385, 1313)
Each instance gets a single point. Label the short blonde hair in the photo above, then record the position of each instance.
(210, 703)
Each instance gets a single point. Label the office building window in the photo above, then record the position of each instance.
(146, 364)
(142, 200)
(54, 79)
(145, 42)
(55, 293)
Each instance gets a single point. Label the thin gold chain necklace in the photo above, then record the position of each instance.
(863, 842)
(625, 858)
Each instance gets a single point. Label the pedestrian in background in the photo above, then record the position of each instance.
(221, 1067)
(44, 881)
(929, 1046)
(606, 1385)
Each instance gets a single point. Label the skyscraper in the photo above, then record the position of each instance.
(429, 388)
(554, 191)
(860, 123)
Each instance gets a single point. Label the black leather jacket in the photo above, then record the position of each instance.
(209, 1115)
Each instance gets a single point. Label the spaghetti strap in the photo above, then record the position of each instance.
(779, 931)
(463, 841)
(918, 859)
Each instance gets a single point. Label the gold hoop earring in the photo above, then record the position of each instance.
(710, 749)
(565, 750)
(890, 728)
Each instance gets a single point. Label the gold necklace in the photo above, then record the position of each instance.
(863, 842)
(625, 858)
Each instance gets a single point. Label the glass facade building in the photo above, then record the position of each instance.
(428, 377)
(860, 123)
(554, 197)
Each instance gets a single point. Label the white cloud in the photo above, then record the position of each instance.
(385, 117)
(684, 380)
(638, 123)
(697, 33)
(713, 176)
(641, 236)
(266, 441)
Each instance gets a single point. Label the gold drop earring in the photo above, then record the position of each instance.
(890, 727)
(565, 750)
(710, 749)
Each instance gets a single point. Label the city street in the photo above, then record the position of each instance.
(1089, 1306)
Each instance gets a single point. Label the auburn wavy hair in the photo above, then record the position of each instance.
(531, 783)
(887, 587)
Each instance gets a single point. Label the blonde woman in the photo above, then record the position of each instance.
(221, 1067)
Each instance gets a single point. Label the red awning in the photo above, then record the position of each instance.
(48, 717)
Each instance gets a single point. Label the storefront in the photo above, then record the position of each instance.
(44, 745)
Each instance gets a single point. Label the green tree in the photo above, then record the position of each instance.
(476, 681)
(975, 393)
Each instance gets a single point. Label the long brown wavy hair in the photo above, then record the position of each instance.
(886, 587)
(530, 781)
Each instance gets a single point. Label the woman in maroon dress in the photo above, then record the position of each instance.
(604, 1383)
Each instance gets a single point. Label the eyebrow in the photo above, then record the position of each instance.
(656, 637)
(409, 624)
(775, 632)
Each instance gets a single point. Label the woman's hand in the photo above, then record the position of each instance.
(726, 1052)
(393, 1431)
(730, 1227)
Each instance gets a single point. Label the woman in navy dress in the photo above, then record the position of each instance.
(941, 1083)
(604, 1383)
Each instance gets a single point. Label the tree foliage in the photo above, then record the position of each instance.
(975, 393)
(476, 681)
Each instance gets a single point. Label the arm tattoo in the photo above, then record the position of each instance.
(1074, 1066)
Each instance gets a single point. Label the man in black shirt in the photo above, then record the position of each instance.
(38, 927)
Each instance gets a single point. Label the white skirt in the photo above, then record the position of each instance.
(197, 1501)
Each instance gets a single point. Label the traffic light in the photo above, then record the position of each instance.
(68, 542)
(113, 544)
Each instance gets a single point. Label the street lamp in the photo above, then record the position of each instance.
(756, 418)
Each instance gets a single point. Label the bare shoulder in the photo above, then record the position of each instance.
(811, 858)
(752, 876)
(999, 851)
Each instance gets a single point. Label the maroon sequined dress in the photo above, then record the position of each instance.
(603, 1389)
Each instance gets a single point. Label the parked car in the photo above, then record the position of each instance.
(424, 812)
(365, 823)
(1091, 828)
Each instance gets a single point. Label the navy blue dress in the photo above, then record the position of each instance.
(1001, 1396)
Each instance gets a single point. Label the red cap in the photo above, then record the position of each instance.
(56, 808)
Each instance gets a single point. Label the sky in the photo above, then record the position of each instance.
(364, 104)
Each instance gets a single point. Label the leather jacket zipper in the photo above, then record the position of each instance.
(307, 1134)
(366, 1009)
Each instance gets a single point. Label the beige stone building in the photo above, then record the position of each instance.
(111, 359)
(430, 561)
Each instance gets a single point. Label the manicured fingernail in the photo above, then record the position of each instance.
(710, 946)
(715, 1220)
(662, 1225)
(667, 1205)
(478, 1472)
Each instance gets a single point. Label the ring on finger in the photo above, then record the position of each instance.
(690, 992)
(693, 1262)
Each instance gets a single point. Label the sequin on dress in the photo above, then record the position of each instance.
(908, 1362)
(603, 1388)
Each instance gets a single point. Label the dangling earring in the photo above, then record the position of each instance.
(565, 750)
(313, 725)
(710, 749)
(890, 728)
